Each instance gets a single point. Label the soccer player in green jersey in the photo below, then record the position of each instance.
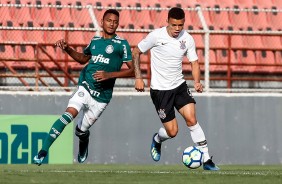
(105, 56)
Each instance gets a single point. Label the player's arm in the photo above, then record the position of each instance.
(196, 73)
(77, 56)
(139, 83)
(103, 75)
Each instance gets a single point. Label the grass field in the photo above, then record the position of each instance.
(137, 174)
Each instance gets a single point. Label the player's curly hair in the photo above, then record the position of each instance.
(113, 11)
(176, 13)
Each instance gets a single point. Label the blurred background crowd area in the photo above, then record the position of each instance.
(238, 41)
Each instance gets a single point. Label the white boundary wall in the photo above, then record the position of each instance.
(240, 128)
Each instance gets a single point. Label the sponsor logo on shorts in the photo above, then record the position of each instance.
(80, 94)
(162, 114)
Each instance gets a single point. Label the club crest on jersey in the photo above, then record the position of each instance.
(109, 49)
(182, 44)
(162, 114)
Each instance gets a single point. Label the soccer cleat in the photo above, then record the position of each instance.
(155, 149)
(38, 159)
(83, 151)
(209, 165)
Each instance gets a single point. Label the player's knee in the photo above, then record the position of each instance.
(82, 135)
(172, 133)
(191, 122)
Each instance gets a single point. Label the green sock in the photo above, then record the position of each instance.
(56, 130)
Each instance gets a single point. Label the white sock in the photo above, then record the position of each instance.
(199, 139)
(161, 136)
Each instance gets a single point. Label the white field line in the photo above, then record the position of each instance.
(244, 173)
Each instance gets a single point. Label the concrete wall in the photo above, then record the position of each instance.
(240, 129)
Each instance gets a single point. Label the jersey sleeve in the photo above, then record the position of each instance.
(86, 50)
(148, 42)
(191, 51)
(126, 52)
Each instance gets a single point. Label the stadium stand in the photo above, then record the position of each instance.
(249, 53)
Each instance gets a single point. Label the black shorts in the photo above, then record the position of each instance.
(166, 100)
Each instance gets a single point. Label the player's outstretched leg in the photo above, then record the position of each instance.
(83, 144)
(156, 149)
(38, 159)
(209, 165)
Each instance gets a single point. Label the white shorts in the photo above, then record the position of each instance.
(82, 100)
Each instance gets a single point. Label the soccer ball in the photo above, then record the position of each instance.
(192, 157)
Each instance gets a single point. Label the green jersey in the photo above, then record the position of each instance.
(107, 55)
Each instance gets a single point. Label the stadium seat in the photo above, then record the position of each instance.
(236, 63)
(159, 17)
(80, 16)
(8, 52)
(212, 60)
(278, 61)
(26, 55)
(21, 14)
(134, 38)
(274, 18)
(12, 35)
(258, 20)
(206, 4)
(244, 3)
(222, 58)
(61, 16)
(199, 40)
(75, 37)
(5, 15)
(141, 18)
(43, 57)
(218, 40)
(263, 4)
(125, 21)
(213, 64)
(277, 3)
(51, 36)
(253, 41)
(239, 19)
(201, 60)
(247, 60)
(271, 41)
(196, 20)
(88, 35)
(264, 58)
(225, 4)
(237, 40)
(41, 15)
(33, 35)
(220, 19)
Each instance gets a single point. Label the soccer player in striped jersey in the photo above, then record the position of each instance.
(168, 45)
(105, 56)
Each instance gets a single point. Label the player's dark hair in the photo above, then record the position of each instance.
(113, 11)
(176, 13)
